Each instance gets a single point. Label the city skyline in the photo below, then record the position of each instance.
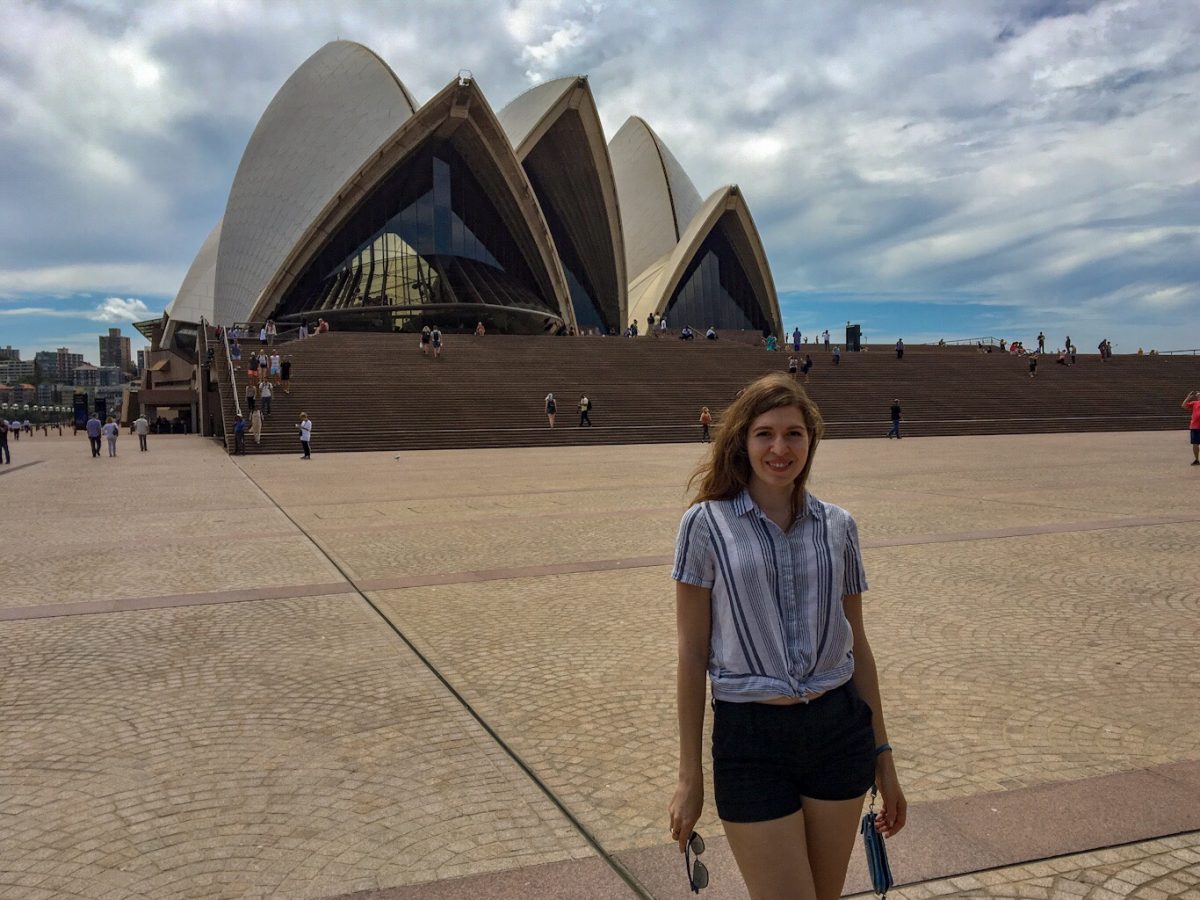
(986, 169)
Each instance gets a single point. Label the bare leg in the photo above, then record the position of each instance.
(773, 858)
(832, 829)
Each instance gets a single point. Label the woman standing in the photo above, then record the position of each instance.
(305, 426)
(705, 422)
(551, 408)
(769, 604)
(111, 430)
(256, 423)
(425, 339)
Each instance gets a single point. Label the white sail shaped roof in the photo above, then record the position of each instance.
(555, 130)
(320, 128)
(195, 298)
(657, 198)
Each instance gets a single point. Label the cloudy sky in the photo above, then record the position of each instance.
(929, 169)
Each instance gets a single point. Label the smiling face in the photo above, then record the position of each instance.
(777, 445)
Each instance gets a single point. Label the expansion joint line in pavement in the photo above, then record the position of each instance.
(615, 864)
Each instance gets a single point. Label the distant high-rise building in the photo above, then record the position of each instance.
(47, 365)
(16, 372)
(114, 350)
(141, 358)
(10, 353)
(68, 362)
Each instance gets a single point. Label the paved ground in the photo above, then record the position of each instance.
(450, 674)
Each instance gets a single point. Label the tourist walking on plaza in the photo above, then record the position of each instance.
(111, 430)
(285, 376)
(425, 339)
(435, 338)
(267, 393)
(5, 455)
(256, 426)
(141, 427)
(896, 417)
(305, 427)
(585, 406)
(1192, 402)
(239, 436)
(796, 747)
(551, 408)
(94, 427)
(705, 422)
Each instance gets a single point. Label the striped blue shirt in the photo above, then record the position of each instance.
(778, 625)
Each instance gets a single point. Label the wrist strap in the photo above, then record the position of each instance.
(883, 748)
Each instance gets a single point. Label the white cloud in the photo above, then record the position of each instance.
(114, 309)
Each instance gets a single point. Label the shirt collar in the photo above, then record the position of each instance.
(743, 504)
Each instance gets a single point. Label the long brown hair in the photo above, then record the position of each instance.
(727, 471)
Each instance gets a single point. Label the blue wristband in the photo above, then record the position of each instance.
(883, 748)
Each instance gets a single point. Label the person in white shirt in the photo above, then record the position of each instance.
(266, 398)
(141, 427)
(305, 427)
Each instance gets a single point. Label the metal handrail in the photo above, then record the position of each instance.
(1192, 352)
(237, 405)
(975, 341)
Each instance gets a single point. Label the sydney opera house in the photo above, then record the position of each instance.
(355, 203)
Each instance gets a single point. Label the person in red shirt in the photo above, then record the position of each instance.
(1192, 402)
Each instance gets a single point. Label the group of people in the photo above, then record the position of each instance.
(304, 427)
(110, 430)
(585, 409)
(432, 338)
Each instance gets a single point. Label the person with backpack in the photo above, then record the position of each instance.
(435, 338)
(551, 408)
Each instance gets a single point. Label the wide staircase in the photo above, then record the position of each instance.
(368, 391)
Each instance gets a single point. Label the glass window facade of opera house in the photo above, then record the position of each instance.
(425, 242)
(716, 291)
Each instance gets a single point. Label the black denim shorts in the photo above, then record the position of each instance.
(767, 758)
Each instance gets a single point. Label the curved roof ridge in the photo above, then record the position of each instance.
(194, 299)
(329, 117)
(677, 180)
(412, 103)
(522, 115)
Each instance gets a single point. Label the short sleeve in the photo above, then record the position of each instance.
(693, 549)
(854, 576)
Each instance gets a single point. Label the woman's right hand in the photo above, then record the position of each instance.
(685, 810)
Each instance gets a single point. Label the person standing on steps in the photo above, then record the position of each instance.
(239, 436)
(585, 407)
(272, 332)
(1033, 366)
(796, 336)
(1192, 402)
(274, 364)
(806, 367)
(285, 376)
(425, 339)
(837, 355)
(251, 395)
(793, 367)
(1041, 342)
(305, 427)
(825, 337)
(705, 423)
(900, 348)
(256, 426)
(435, 338)
(551, 408)
(267, 393)
(896, 417)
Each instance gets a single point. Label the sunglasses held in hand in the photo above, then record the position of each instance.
(697, 872)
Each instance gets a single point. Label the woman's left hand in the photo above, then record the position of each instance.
(894, 812)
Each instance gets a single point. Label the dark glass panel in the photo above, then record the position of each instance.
(716, 291)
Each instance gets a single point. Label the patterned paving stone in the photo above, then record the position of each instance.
(290, 748)
(1150, 870)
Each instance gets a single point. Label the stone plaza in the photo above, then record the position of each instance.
(451, 673)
